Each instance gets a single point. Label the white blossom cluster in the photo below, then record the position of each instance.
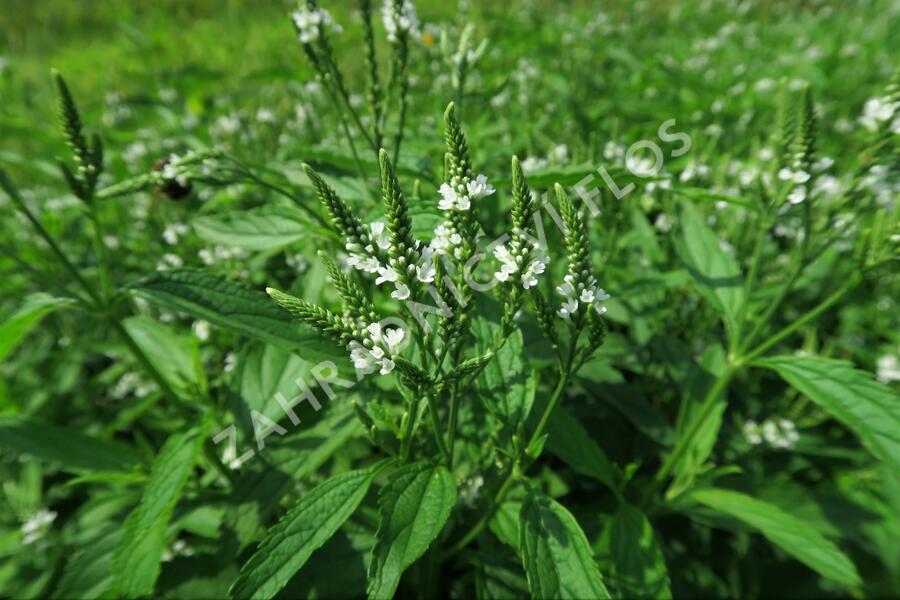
(878, 111)
(364, 256)
(172, 170)
(377, 350)
(883, 185)
(458, 194)
(132, 383)
(311, 22)
(778, 433)
(445, 239)
(584, 291)
(799, 178)
(513, 259)
(404, 20)
(888, 368)
(37, 526)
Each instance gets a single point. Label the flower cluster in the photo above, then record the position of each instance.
(580, 291)
(580, 288)
(799, 178)
(513, 260)
(378, 348)
(780, 433)
(399, 16)
(37, 526)
(311, 21)
(459, 193)
(878, 111)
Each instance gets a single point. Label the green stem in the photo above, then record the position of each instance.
(479, 526)
(13, 193)
(102, 255)
(436, 426)
(748, 287)
(685, 440)
(346, 128)
(803, 320)
(454, 418)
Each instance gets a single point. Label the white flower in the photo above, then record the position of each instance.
(387, 365)
(568, 308)
(426, 271)
(362, 359)
(448, 197)
(380, 235)
(393, 338)
(201, 330)
(479, 188)
(797, 195)
(401, 292)
(386, 274)
(37, 525)
(751, 432)
(537, 266)
(404, 20)
(877, 111)
(173, 231)
(309, 23)
(888, 369)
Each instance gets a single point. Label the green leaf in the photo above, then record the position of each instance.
(16, 327)
(289, 544)
(871, 410)
(205, 295)
(266, 370)
(262, 228)
(414, 506)
(505, 523)
(699, 381)
(137, 562)
(573, 444)
(555, 552)
(88, 573)
(637, 567)
(507, 384)
(715, 271)
(785, 531)
(72, 450)
(265, 480)
(175, 357)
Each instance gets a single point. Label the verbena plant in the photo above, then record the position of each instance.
(466, 351)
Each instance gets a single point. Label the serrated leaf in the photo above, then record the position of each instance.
(637, 567)
(289, 544)
(72, 450)
(785, 531)
(508, 383)
(414, 507)
(871, 410)
(16, 327)
(88, 574)
(266, 370)
(205, 295)
(570, 441)
(175, 357)
(715, 271)
(265, 481)
(137, 562)
(262, 228)
(556, 555)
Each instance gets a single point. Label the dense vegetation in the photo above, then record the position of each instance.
(449, 299)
